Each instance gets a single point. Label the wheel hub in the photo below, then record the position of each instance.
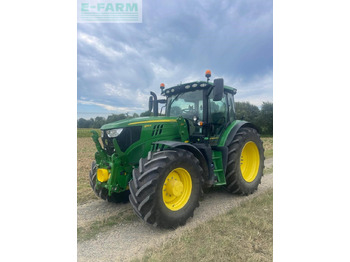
(177, 189)
(174, 187)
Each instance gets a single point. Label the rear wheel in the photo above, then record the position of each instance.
(103, 192)
(166, 187)
(245, 162)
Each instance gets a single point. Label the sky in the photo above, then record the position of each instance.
(177, 41)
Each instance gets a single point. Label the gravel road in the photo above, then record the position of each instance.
(123, 242)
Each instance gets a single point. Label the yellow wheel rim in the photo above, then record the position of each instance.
(250, 161)
(177, 189)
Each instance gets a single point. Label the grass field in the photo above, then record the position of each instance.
(86, 152)
(86, 132)
(245, 233)
(268, 146)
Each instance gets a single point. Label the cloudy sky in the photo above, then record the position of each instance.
(120, 63)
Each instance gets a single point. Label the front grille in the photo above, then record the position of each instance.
(127, 137)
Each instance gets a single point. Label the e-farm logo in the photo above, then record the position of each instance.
(109, 11)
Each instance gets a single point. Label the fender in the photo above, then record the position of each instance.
(230, 132)
(194, 150)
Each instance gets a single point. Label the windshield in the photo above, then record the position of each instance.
(187, 105)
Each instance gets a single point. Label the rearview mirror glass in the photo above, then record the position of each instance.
(218, 91)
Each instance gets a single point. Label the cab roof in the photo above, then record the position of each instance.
(181, 88)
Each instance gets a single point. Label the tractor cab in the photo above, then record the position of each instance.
(207, 107)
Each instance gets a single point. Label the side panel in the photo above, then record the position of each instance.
(152, 132)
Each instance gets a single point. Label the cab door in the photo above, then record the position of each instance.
(220, 115)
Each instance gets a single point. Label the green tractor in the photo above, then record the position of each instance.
(163, 163)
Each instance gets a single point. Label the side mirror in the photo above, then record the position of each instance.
(218, 91)
(150, 103)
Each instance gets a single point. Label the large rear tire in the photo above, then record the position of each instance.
(245, 162)
(166, 187)
(103, 192)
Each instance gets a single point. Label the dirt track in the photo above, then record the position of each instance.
(123, 242)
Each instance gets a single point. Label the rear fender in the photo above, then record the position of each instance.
(228, 135)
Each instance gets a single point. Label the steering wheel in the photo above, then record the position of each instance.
(187, 110)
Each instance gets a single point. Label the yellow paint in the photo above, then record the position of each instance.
(177, 189)
(153, 121)
(147, 126)
(102, 175)
(250, 161)
(212, 138)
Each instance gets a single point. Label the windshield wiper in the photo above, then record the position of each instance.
(172, 101)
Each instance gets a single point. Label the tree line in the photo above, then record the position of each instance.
(262, 118)
(99, 121)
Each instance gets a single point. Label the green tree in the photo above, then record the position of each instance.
(99, 121)
(146, 113)
(83, 123)
(248, 112)
(115, 117)
(266, 118)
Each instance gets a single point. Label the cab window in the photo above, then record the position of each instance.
(217, 114)
(231, 107)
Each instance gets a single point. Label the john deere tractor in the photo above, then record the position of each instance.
(163, 163)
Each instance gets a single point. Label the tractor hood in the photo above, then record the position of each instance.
(135, 134)
(139, 121)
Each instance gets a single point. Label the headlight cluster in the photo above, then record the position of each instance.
(114, 132)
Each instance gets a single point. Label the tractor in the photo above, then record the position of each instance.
(162, 163)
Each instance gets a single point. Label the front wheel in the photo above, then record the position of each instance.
(166, 187)
(245, 162)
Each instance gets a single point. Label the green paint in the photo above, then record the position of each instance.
(227, 131)
(218, 168)
(183, 130)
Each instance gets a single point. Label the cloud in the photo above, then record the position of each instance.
(107, 107)
(98, 45)
(118, 64)
(256, 90)
(114, 109)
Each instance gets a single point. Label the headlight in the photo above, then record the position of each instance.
(114, 132)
